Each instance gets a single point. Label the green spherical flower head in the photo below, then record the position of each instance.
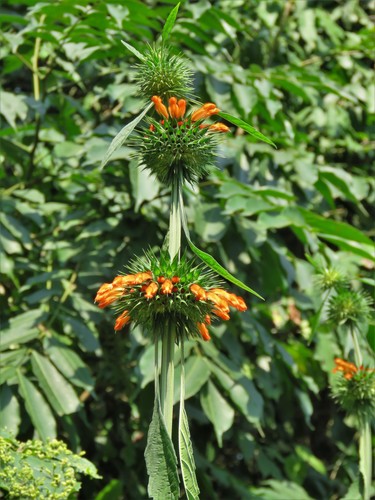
(329, 278)
(354, 388)
(163, 73)
(179, 147)
(159, 292)
(349, 308)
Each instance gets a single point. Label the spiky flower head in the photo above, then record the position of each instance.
(349, 308)
(159, 291)
(329, 278)
(354, 388)
(179, 145)
(163, 73)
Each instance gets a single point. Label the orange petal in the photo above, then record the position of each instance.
(204, 331)
(220, 302)
(198, 291)
(167, 287)
(182, 107)
(218, 127)
(205, 111)
(222, 314)
(122, 320)
(159, 106)
(142, 277)
(151, 290)
(173, 108)
(175, 279)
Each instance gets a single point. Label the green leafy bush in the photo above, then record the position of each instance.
(301, 73)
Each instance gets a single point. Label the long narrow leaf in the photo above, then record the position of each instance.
(37, 408)
(133, 50)
(161, 460)
(248, 128)
(169, 23)
(59, 392)
(121, 137)
(209, 260)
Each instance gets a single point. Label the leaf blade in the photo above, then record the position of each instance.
(169, 23)
(57, 389)
(215, 266)
(248, 128)
(121, 137)
(37, 408)
(133, 50)
(161, 460)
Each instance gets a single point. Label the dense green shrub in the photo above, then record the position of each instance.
(299, 71)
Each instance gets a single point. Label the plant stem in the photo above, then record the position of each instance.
(357, 349)
(365, 455)
(175, 220)
(365, 448)
(167, 375)
(169, 336)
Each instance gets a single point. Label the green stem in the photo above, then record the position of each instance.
(357, 349)
(169, 336)
(175, 220)
(167, 375)
(365, 455)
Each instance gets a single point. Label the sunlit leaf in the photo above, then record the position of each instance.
(169, 23)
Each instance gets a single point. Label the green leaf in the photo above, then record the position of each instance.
(22, 328)
(69, 364)
(207, 258)
(133, 50)
(121, 137)
(111, 491)
(217, 410)
(161, 460)
(281, 489)
(248, 128)
(169, 23)
(187, 463)
(197, 374)
(58, 391)
(240, 390)
(37, 408)
(215, 266)
(10, 409)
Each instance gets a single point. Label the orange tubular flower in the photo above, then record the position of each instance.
(167, 287)
(142, 277)
(176, 109)
(159, 106)
(218, 127)
(151, 290)
(107, 294)
(205, 111)
(221, 314)
(348, 369)
(198, 291)
(220, 302)
(122, 320)
(204, 331)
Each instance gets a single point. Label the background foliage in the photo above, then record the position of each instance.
(262, 419)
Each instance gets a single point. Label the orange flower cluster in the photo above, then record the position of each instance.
(177, 109)
(348, 369)
(149, 287)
